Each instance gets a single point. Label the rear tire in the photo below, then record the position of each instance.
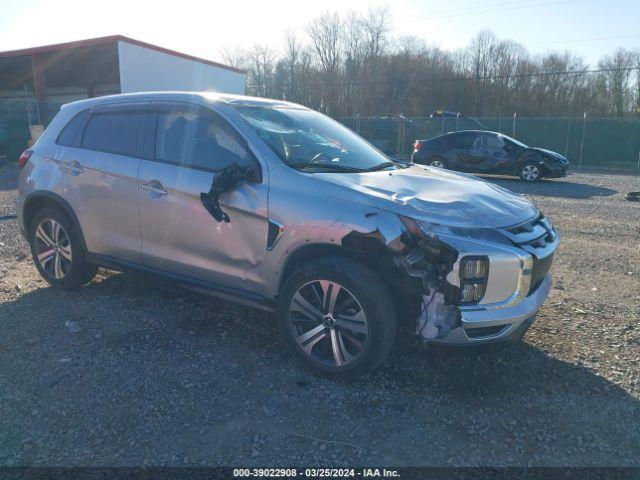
(529, 171)
(57, 250)
(336, 316)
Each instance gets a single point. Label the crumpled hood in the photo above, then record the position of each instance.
(433, 194)
(550, 153)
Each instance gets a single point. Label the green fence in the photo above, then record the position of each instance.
(600, 142)
(15, 117)
(589, 142)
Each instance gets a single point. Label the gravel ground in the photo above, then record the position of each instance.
(128, 371)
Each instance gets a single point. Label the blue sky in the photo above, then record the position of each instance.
(591, 28)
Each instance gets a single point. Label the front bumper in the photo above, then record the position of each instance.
(486, 326)
(555, 171)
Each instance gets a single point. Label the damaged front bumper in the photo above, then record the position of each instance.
(483, 326)
(510, 270)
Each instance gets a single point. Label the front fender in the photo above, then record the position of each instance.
(310, 217)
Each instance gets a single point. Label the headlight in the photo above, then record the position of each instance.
(433, 229)
(474, 273)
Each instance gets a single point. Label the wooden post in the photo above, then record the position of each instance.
(38, 82)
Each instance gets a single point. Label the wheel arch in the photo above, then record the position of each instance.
(370, 250)
(308, 252)
(528, 156)
(40, 199)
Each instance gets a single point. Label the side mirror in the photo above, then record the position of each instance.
(224, 181)
(254, 174)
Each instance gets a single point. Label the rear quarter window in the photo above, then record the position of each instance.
(71, 133)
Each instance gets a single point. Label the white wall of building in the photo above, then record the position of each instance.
(143, 69)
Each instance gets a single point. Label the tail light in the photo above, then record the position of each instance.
(24, 158)
(417, 145)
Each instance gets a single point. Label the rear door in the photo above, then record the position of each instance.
(100, 164)
(191, 145)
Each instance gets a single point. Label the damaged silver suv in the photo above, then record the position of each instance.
(279, 207)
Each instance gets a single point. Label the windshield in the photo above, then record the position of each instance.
(513, 140)
(309, 141)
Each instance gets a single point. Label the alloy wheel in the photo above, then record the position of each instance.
(437, 163)
(328, 323)
(530, 172)
(53, 248)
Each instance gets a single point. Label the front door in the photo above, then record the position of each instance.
(494, 152)
(178, 233)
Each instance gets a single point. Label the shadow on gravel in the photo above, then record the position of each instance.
(177, 378)
(553, 188)
(8, 177)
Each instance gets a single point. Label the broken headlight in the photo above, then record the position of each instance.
(474, 273)
(432, 229)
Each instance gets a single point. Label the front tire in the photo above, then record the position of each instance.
(529, 171)
(57, 250)
(336, 315)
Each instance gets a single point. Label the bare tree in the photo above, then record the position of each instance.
(618, 77)
(350, 64)
(326, 33)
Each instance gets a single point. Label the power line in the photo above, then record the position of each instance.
(582, 40)
(415, 18)
(475, 7)
(475, 79)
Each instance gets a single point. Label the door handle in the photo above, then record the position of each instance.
(155, 188)
(74, 167)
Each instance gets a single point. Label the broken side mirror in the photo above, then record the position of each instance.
(254, 174)
(224, 181)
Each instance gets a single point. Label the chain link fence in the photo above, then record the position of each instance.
(612, 143)
(609, 143)
(16, 116)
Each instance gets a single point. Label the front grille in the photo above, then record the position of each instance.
(537, 237)
(533, 235)
(481, 332)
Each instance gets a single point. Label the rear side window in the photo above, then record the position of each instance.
(462, 140)
(70, 134)
(114, 133)
(199, 141)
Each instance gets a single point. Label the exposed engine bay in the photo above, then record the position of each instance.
(418, 268)
(430, 261)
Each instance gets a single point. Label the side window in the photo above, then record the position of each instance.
(464, 140)
(493, 141)
(193, 140)
(70, 134)
(114, 133)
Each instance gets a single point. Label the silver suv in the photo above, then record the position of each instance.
(277, 206)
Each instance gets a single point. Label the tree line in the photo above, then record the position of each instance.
(351, 64)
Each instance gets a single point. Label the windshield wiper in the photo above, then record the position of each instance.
(381, 166)
(326, 166)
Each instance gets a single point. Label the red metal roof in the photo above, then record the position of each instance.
(112, 39)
